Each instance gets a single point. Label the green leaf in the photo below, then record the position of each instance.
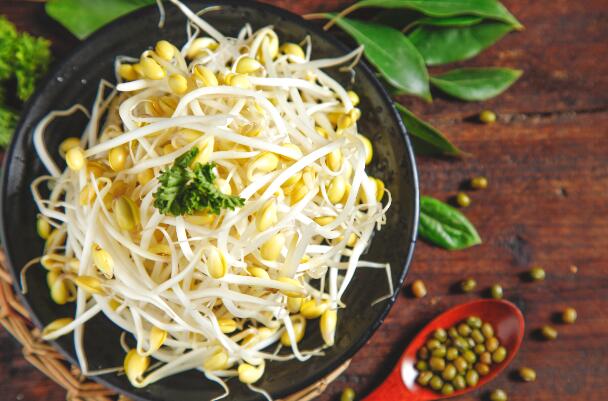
(426, 139)
(8, 122)
(445, 226)
(459, 21)
(397, 19)
(184, 190)
(392, 54)
(447, 45)
(83, 17)
(475, 84)
(491, 9)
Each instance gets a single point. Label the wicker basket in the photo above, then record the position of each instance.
(15, 318)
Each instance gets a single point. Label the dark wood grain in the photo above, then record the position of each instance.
(547, 204)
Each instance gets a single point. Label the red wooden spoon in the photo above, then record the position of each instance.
(508, 323)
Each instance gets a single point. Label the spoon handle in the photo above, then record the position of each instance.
(393, 389)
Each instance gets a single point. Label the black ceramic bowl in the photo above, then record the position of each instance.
(75, 81)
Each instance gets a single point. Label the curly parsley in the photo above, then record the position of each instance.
(23, 60)
(22, 57)
(184, 190)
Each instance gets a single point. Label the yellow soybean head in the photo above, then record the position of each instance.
(126, 213)
(53, 261)
(379, 189)
(216, 263)
(178, 84)
(297, 291)
(354, 98)
(271, 249)
(299, 192)
(56, 325)
(114, 304)
(299, 328)
(294, 148)
(313, 309)
(151, 69)
(293, 49)
(369, 149)
(157, 338)
(103, 261)
(59, 292)
(56, 238)
(96, 168)
(247, 65)
(135, 366)
(240, 81)
(352, 240)
(199, 45)
(324, 220)
(334, 160)
(205, 150)
(267, 215)
(90, 284)
(201, 218)
(145, 176)
(52, 276)
(43, 228)
(336, 189)
(227, 325)
(119, 188)
(74, 158)
(344, 121)
(271, 43)
(67, 144)
(294, 304)
(258, 272)
(328, 324)
(139, 70)
(355, 114)
(117, 157)
(321, 131)
(249, 374)
(165, 50)
(292, 180)
(168, 148)
(264, 163)
(217, 361)
(205, 75)
(127, 72)
(226, 78)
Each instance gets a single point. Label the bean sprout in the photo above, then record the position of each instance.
(205, 291)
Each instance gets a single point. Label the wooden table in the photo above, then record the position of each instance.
(547, 204)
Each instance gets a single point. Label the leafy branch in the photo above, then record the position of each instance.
(406, 38)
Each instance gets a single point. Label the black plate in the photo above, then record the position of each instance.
(75, 81)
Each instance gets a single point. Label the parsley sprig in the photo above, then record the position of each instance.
(185, 190)
(23, 60)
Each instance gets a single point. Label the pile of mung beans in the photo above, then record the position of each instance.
(455, 358)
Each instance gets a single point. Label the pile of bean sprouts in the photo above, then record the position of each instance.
(224, 293)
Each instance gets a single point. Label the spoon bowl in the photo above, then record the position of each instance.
(508, 323)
